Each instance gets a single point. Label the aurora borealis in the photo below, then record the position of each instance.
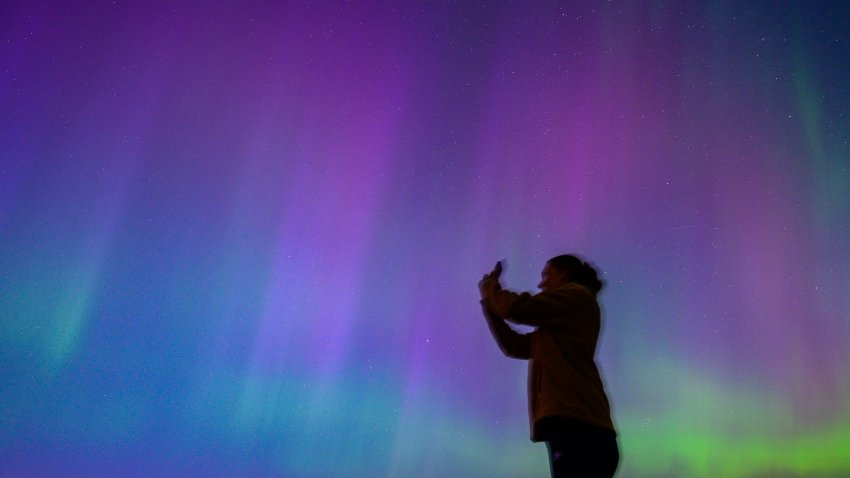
(244, 238)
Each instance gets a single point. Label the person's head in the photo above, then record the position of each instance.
(567, 268)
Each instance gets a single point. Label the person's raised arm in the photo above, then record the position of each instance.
(512, 343)
(549, 308)
(497, 300)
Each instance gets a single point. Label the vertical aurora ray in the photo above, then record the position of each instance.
(243, 240)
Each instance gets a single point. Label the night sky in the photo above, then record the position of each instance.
(243, 239)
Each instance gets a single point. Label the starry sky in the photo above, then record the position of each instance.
(244, 238)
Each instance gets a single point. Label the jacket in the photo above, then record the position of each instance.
(563, 379)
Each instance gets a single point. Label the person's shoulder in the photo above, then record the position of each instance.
(574, 288)
(575, 291)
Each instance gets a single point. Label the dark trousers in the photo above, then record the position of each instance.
(578, 449)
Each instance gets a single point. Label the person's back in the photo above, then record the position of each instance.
(564, 355)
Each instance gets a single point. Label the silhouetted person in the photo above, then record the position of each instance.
(567, 404)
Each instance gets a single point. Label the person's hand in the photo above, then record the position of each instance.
(496, 273)
(493, 275)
